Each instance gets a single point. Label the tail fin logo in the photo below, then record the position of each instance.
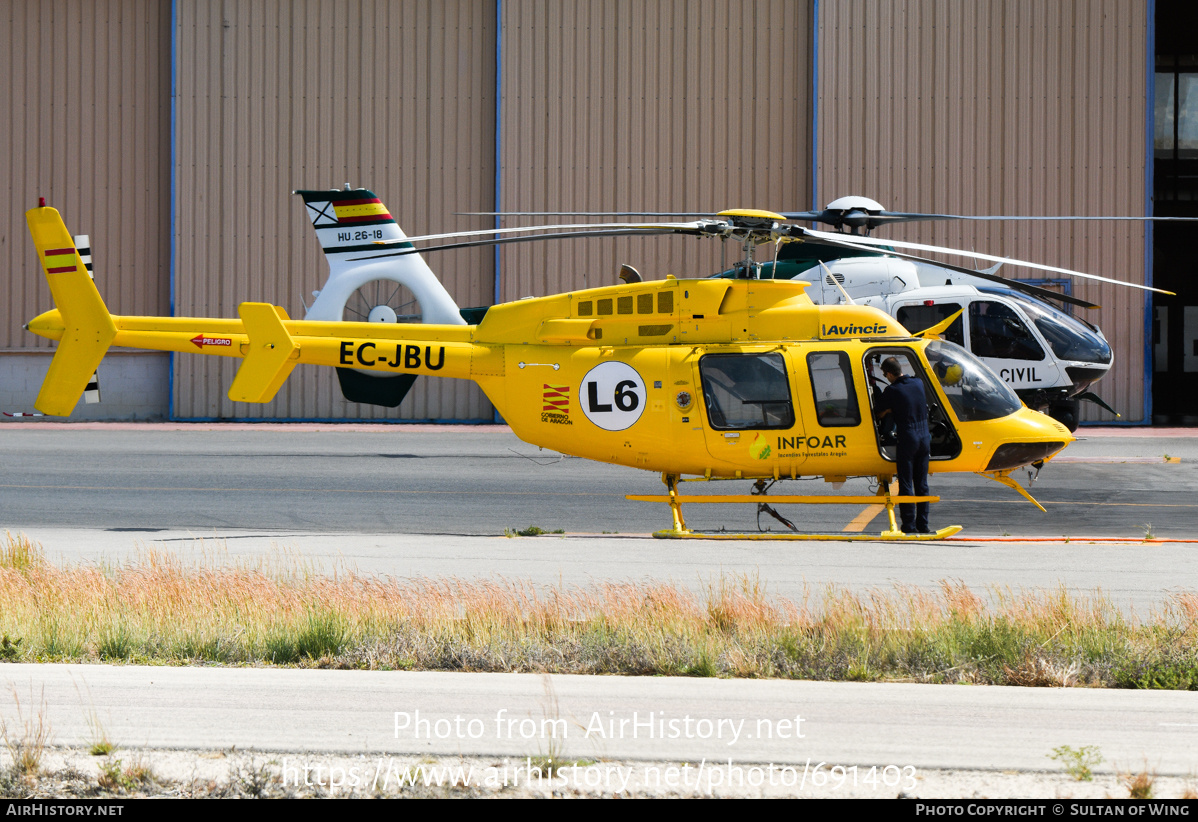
(57, 259)
(322, 214)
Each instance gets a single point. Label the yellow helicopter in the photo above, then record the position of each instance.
(696, 379)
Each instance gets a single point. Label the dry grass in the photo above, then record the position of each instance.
(1139, 785)
(158, 608)
(19, 552)
(26, 739)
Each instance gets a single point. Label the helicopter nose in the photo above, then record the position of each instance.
(1030, 438)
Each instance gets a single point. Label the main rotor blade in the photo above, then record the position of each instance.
(584, 213)
(876, 219)
(902, 216)
(1017, 285)
(620, 232)
(565, 227)
(977, 256)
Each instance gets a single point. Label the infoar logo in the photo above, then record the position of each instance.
(759, 449)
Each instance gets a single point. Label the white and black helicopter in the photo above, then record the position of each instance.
(1051, 358)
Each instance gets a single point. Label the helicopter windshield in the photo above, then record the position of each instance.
(1068, 337)
(975, 392)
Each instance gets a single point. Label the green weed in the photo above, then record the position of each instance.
(1157, 673)
(703, 665)
(112, 777)
(117, 777)
(1078, 762)
(101, 748)
(116, 643)
(530, 531)
(252, 778)
(10, 650)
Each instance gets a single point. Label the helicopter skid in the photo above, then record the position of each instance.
(885, 499)
(885, 536)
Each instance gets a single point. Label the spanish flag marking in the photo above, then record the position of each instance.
(57, 259)
(354, 211)
(556, 398)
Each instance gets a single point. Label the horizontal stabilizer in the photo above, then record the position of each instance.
(272, 354)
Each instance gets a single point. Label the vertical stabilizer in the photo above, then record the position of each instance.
(88, 328)
(352, 224)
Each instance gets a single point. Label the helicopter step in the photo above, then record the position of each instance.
(680, 531)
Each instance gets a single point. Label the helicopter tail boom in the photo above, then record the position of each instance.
(81, 322)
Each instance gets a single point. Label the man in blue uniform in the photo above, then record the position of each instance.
(905, 400)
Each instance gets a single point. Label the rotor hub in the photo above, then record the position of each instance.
(751, 219)
(382, 314)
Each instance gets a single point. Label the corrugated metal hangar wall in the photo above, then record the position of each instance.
(277, 96)
(85, 122)
(1001, 107)
(1018, 106)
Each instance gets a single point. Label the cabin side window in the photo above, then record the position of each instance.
(995, 330)
(832, 387)
(745, 391)
(917, 317)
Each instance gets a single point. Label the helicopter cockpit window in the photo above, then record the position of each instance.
(1068, 337)
(832, 387)
(916, 318)
(746, 391)
(995, 330)
(974, 391)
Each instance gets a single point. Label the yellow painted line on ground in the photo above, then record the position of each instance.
(862, 520)
(1115, 460)
(1067, 540)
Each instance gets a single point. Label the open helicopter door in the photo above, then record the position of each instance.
(946, 444)
(749, 406)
